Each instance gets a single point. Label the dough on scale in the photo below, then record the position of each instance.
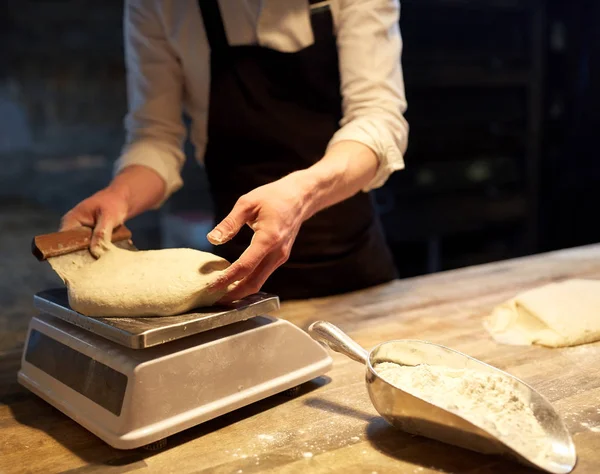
(145, 283)
(555, 315)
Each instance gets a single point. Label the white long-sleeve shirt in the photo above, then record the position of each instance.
(168, 71)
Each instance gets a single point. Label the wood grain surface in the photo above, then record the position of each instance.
(331, 426)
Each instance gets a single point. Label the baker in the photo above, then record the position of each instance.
(296, 111)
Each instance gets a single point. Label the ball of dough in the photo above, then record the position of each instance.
(145, 283)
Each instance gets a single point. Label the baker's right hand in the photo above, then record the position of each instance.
(103, 211)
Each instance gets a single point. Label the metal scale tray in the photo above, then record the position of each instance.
(140, 333)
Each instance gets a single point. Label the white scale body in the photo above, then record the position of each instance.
(135, 381)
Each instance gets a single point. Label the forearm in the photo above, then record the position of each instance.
(346, 168)
(372, 85)
(140, 187)
(148, 170)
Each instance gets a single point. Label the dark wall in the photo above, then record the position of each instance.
(571, 165)
(62, 98)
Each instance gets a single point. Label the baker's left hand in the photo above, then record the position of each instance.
(275, 213)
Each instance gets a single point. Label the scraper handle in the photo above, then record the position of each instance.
(61, 243)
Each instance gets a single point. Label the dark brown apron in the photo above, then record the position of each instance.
(272, 113)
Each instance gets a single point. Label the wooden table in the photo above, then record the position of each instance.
(332, 427)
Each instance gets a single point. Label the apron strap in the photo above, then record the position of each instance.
(213, 25)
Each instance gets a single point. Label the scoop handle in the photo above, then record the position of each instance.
(338, 341)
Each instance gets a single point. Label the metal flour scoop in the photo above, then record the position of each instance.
(414, 415)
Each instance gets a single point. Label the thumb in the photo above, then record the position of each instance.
(228, 228)
(71, 221)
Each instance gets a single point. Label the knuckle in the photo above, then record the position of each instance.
(282, 254)
(274, 236)
(254, 287)
(283, 258)
(65, 220)
(287, 249)
(72, 214)
(243, 201)
(243, 267)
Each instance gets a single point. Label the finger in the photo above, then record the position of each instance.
(254, 282)
(102, 234)
(259, 248)
(228, 228)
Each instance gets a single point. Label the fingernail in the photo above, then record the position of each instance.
(215, 236)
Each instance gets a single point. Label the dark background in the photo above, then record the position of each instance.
(504, 114)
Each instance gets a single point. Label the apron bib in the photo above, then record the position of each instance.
(273, 113)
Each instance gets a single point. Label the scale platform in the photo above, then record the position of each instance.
(135, 381)
(139, 333)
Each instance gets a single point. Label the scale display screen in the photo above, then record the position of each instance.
(92, 379)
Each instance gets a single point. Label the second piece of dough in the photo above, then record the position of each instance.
(145, 283)
(555, 315)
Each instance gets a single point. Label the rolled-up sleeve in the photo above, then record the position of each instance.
(372, 83)
(154, 128)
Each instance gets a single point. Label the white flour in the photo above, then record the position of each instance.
(491, 401)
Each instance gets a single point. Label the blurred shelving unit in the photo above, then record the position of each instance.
(474, 82)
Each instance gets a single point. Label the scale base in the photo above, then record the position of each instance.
(131, 398)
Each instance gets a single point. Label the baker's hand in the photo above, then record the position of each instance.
(275, 213)
(103, 211)
(134, 190)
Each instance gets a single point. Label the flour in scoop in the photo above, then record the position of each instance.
(490, 401)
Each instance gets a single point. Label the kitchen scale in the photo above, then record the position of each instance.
(135, 381)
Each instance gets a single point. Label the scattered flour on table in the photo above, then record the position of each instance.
(491, 401)
(309, 444)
